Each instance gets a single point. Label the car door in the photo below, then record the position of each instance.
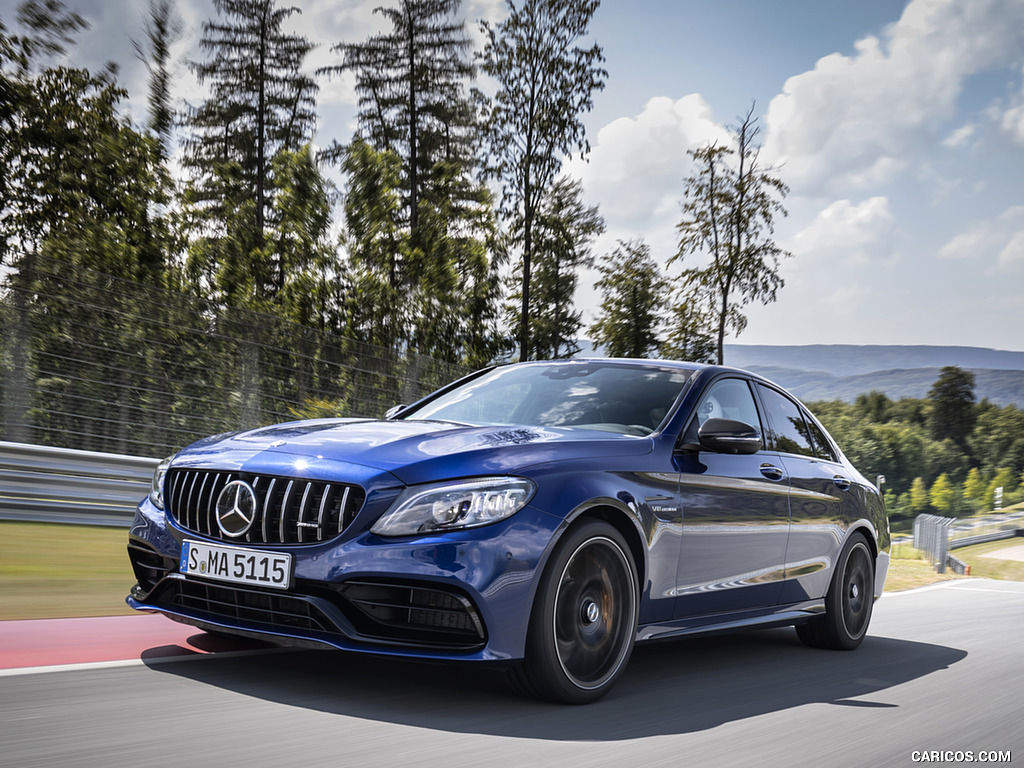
(735, 514)
(821, 503)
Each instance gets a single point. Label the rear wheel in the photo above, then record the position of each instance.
(584, 619)
(848, 602)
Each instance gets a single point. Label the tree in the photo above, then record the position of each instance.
(632, 293)
(729, 211)
(375, 243)
(260, 102)
(544, 81)
(565, 228)
(975, 485)
(162, 27)
(1004, 478)
(918, 495)
(952, 400)
(687, 335)
(942, 495)
(410, 83)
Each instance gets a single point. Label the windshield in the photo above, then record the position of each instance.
(612, 397)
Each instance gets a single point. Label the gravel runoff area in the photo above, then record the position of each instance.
(1010, 553)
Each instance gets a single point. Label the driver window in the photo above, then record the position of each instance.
(725, 399)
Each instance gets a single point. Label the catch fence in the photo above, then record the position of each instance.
(97, 363)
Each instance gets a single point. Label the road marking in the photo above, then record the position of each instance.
(15, 671)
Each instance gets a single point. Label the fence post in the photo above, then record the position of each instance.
(931, 536)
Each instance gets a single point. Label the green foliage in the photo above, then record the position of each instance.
(952, 405)
(163, 27)
(974, 486)
(565, 229)
(1004, 478)
(544, 82)
(412, 100)
(260, 103)
(942, 495)
(689, 335)
(729, 209)
(918, 496)
(632, 291)
(997, 439)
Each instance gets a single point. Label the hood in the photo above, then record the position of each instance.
(422, 451)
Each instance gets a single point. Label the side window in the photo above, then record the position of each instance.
(822, 447)
(788, 432)
(725, 399)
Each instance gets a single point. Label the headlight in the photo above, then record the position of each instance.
(455, 505)
(156, 491)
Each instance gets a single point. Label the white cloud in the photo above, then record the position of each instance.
(637, 164)
(859, 120)
(999, 240)
(862, 233)
(959, 137)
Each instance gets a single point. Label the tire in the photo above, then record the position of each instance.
(584, 618)
(848, 602)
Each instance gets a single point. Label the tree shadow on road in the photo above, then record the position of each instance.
(676, 687)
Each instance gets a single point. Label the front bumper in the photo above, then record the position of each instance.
(464, 594)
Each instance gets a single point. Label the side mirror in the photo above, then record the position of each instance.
(729, 436)
(393, 411)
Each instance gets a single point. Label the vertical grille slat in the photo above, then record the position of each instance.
(288, 509)
(320, 516)
(300, 523)
(284, 510)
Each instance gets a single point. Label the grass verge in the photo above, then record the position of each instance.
(62, 571)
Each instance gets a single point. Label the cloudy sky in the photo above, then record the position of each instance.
(898, 126)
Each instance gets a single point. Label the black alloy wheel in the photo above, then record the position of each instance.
(585, 618)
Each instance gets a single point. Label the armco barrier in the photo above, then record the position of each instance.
(62, 485)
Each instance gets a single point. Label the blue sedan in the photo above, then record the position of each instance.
(544, 516)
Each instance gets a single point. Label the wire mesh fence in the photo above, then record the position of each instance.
(98, 363)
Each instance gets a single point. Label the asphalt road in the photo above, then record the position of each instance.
(942, 670)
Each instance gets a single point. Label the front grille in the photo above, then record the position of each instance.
(278, 611)
(370, 612)
(287, 510)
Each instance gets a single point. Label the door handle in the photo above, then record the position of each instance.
(772, 472)
(842, 483)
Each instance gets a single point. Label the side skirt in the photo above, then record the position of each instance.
(779, 616)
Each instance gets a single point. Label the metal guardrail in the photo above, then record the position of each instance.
(64, 485)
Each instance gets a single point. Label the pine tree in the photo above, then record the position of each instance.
(412, 97)
(952, 399)
(565, 229)
(974, 485)
(162, 27)
(942, 494)
(260, 103)
(633, 292)
(545, 81)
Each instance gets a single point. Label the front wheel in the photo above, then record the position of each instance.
(848, 602)
(584, 619)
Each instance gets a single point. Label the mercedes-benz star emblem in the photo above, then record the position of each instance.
(236, 508)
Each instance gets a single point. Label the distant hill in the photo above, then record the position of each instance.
(843, 371)
(1000, 387)
(851, 360)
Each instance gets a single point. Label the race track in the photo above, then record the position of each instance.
(941, 671)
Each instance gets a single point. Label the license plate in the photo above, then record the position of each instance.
(236, 564)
